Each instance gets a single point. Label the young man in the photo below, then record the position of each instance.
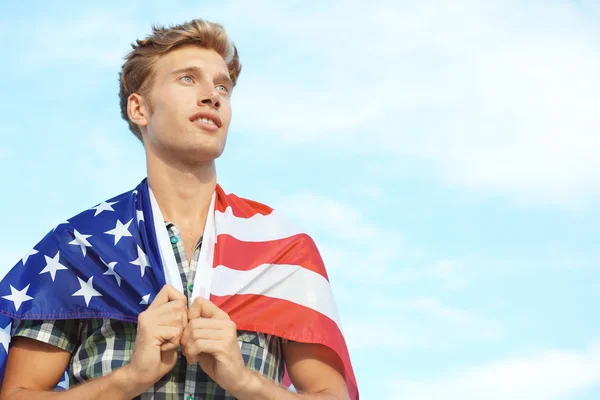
(175, 91)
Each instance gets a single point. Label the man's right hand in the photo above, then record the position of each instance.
(156, 345)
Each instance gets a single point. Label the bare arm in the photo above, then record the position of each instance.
(210, 339)
(34, 369)
(315, 370)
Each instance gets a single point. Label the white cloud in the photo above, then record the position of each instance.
(448, 272)
(457, 321)
(325, 213)
(353, 247)
(99, 38)
(381, 334)
(386, 321)
(549, 375)
(498, 96)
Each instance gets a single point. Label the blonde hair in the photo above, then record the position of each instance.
(138, 72)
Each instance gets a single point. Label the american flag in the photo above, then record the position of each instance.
(110, 262)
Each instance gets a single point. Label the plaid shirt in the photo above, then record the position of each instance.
(99, 346)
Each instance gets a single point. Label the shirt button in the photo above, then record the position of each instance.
(174, 239)
(191, 287)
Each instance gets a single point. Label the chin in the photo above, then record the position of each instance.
(199, 155)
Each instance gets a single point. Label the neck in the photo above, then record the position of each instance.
(183, 192)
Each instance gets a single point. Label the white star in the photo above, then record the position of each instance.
(53, 265)
(5, 336)
(87, 290)
(139, 215)
(145, 299)
(64, 383)
(142, 260)
(81, 241)
(104, 206)
(18, 297)
(26, 256)
(59, 224)
(111, 270)
(120, 231)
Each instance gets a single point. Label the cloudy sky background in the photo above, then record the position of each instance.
(443, 154)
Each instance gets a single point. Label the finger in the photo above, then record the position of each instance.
(169, 346)
(168, 334)
(166, 294)
(205, 309)
(178, 320)
(210, 334)
(189, 341)
(208, 323)
(175, 310)
(218, 332)
(173, 313)
(204, 346)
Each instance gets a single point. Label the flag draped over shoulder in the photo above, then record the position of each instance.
(110, 262)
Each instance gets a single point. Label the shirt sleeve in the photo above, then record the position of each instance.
(63, 334)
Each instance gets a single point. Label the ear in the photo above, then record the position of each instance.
(138, 110)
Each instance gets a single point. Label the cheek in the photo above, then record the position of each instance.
(226, 113)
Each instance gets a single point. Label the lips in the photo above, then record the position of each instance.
(207, 117)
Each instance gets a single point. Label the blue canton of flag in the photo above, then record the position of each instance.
(102, 263)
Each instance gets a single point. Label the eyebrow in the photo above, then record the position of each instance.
(221, 77)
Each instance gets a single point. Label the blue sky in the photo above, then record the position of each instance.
(443, 154)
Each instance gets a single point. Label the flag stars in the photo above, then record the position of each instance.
(104, 206)
(81, 241)
(120, 230)
(5, 336)
(111, 271)
(18, 297)
(29, 254)
(87, 290)
(145, 299)
(141, 261)
(52, 265)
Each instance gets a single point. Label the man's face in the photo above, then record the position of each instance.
(191, 109)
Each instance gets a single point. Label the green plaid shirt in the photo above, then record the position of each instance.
(99, 346)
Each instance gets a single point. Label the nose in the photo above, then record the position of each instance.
(210, 97)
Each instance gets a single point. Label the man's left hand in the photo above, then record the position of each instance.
(210, 339)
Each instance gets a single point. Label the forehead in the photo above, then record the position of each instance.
(191, 56)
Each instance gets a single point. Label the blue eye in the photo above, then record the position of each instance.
(187, 79)
(223, 88)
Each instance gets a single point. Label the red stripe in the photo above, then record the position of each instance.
(244, 256)
(241, 207)
(290, 321)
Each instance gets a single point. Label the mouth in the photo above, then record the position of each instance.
(208, 120)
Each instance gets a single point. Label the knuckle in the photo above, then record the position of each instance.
(142, 318)
(195, 334)
(198, 301)
(231, 326)
(178, 331)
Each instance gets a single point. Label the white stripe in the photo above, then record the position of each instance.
(287, 282)
(164, 246)
(204, 268)
(258, 228)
